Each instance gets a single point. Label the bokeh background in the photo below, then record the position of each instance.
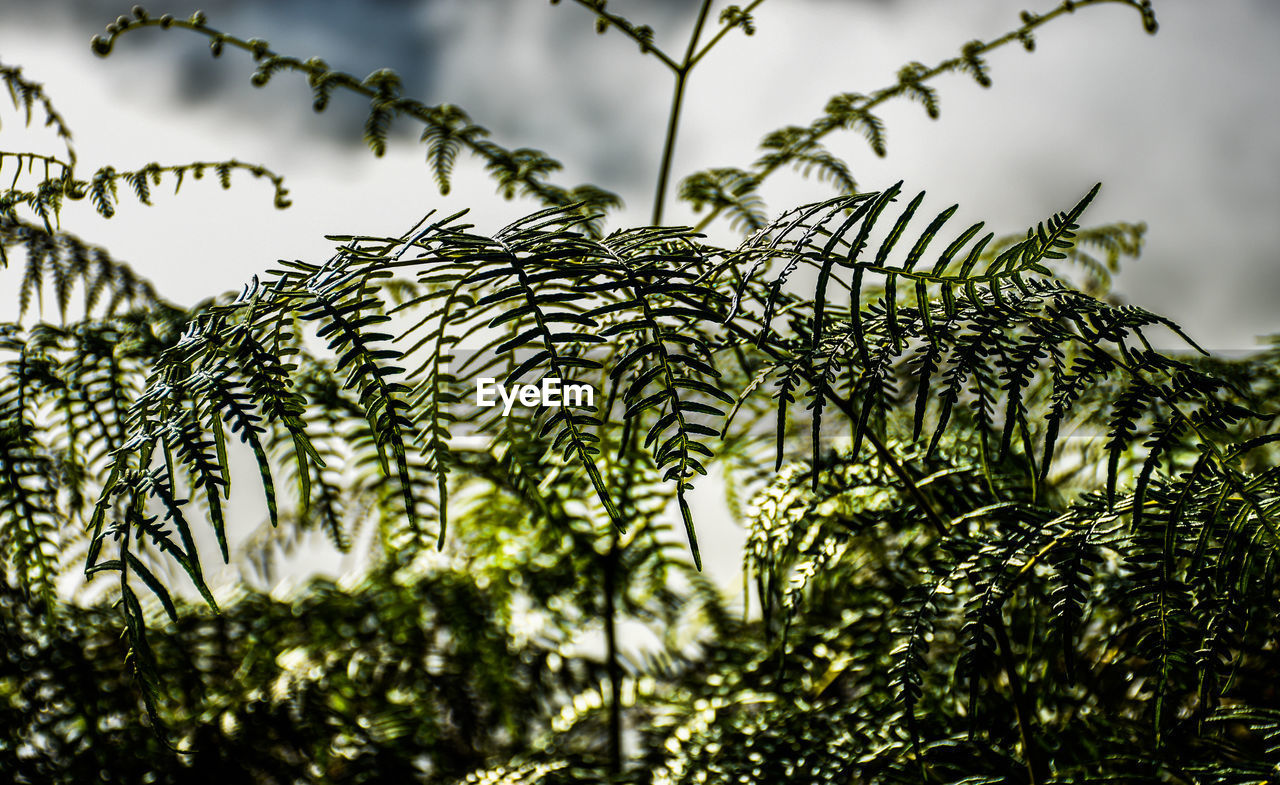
(1182, 128)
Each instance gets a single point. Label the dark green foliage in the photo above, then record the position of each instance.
(343, 685)
(651, 295)
(993, 534)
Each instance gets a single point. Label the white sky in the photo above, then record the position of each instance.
(1183, 128)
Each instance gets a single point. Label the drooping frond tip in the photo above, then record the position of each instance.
(26, 95)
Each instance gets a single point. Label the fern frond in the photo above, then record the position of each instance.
(515, 773)
(848, 110)
(445, 129)
(911, 83)
(795, 146)
(26, 94)
(444, 137)
(732, 190)
(853, 110)
(735, 16)
(67, 260)
(47, 199)
(670, 368)
(29, 516)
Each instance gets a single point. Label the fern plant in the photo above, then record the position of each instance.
(946, 588)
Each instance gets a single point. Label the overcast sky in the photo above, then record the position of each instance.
(1183, 128)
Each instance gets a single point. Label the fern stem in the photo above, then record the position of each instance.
(673, 120)
(922, 498)
(47, 160)
(629, 30)
(1022, 710)
(611, 653)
